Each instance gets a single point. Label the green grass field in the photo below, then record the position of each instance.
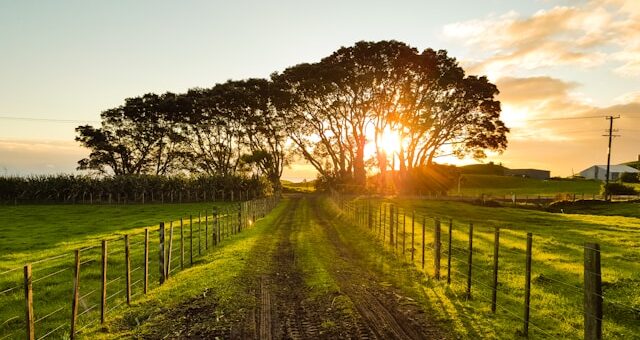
(36, 233)
(628, 209)
(301, 187)
(557, 274)
(474, 185)
(47, 235)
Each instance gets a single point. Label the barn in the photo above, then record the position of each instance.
(600, 172)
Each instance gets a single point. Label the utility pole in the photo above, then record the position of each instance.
(606, 186)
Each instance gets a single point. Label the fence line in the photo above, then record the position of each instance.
(381, 220)
(103, 271)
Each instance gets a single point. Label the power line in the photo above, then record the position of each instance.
(561, 118)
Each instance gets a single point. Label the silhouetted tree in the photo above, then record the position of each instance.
(425, 97)
(140, 137)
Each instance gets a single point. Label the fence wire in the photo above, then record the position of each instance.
(381, 219)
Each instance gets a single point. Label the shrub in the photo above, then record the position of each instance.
(618, 189)
(628, 177)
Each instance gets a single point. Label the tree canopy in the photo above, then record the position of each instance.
(334, 113)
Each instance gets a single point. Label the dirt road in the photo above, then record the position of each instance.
(287, 306)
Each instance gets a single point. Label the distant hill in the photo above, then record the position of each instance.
(483, 169)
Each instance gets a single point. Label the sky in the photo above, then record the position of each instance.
(560, 65)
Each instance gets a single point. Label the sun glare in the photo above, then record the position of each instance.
(390, 141)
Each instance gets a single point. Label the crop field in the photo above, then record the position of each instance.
(47, 235)
(557, 293)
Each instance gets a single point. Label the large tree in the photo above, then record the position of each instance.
(337, 104)
(265, 127)
(140, 137)
(214, 132)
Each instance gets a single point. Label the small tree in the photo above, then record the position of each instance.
(617, 189)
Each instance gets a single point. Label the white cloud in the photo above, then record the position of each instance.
(580, 36)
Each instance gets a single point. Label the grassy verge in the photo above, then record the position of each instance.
(556, 309)
(217, 278)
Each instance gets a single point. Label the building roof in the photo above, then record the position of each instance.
(615, 168)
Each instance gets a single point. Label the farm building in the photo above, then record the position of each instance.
(600, 172)
(529, 173)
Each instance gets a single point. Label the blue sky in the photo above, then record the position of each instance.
(73, 59)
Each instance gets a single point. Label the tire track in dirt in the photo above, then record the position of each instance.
(265, 311)
(285, 311)
(380, 315)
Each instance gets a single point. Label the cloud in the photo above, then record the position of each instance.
(580, 36)
(21, 157)
(532, 89)
(553, 127)
(627, 98)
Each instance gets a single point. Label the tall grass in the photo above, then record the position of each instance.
(133, 188)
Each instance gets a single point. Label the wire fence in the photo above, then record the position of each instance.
(504, 273)
(62, 296)
(522, 199)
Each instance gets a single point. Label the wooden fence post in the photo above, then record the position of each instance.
(496, 249)
(470, 261)
(206, 230)
(76, 295)
(28, 299)
(239, 223)
(199, 233)
(228, 228)
(397, 225)
(380, 218)
(216, 227)
(527, 285)
(413, 234)
(391, 219)
(404, 233)
(436, 250)
(146, 260)
(127, 264)
(449, 252)
(191, 240)
(369, 215)
(169, 251)
(592, 292)
(161, 254)
(103, 294)
(222, 230)
(383, 227)
(182, 244)
(424, 224)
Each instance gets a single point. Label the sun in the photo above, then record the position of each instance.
(390, 141)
